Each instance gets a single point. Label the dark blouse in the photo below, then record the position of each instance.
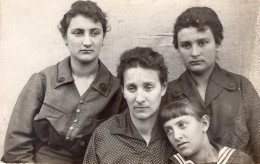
(232, 104)
(52, 123)
(116, 141)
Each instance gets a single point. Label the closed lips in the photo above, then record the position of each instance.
(180, 144)
(86, 50)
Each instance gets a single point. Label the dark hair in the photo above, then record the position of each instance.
(201, 18)
(88, 9)
(144, 57)
(182, 107)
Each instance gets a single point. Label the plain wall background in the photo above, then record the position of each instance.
(30, 40)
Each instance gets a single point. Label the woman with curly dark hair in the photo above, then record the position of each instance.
(59, 107)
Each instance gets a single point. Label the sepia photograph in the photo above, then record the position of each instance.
(130, 81)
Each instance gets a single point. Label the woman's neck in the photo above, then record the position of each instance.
(201, 81)
(83, 70)
(145, 127)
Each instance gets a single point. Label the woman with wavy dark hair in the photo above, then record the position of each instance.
(59, 107)
(230, 99)
(135, 136)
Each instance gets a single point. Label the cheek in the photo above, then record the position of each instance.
(128, 96)
(99, 41)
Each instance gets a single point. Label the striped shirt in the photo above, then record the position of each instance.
(226, 156)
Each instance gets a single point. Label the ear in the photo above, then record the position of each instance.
(218, 47)
(205, 123)
(122, 88)
(65, 40)
(164, 87)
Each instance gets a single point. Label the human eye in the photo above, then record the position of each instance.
(131, 88)
(77, 32)
(202, 43)
(168, 131)
(95, 33)
(182, 125)
(148, 87)
(185, 45)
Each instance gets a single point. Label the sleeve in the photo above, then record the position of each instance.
(246, 132)
(90, 154)
(240, 157)
(252, 108)
(20, 135)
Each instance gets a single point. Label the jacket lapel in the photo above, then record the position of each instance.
(186, 86)
(218, 82)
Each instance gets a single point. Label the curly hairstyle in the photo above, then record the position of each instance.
(143, 57)
(88, 9)
(202, 18)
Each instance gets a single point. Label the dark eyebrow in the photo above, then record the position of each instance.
(167, 127)
(93, 29)
(202, 39)
(185, 42)
(77, 29)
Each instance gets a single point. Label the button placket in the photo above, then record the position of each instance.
(74, 121)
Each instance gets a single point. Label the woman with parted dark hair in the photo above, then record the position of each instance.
(135, 136)
(59, 107)
(230, 99)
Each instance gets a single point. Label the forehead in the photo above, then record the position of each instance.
(192, 33)
(82, 22)
(140, 75)
(174, 121)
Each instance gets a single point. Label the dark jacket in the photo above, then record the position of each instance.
(232, 104)
(52, 123)
(116, 141)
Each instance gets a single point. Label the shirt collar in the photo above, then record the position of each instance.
(218, 76)
(101, 82)
(122, 124)
(63, 73)
(178, 158)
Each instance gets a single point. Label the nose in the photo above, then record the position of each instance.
(87, 41)
(140, 96)
(195, 51)
(177, 135)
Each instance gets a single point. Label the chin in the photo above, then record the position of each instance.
(186, 153)
(141, 116)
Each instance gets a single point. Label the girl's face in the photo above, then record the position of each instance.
(198, 49)
(187, 134)
(85, 39)
(143, 91)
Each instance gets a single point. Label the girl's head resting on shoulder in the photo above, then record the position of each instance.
(186, 123)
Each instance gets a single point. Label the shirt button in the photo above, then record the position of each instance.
(60, 79)
(67, 138)
(82, 143)
(76, 120)
(81, 101)
(71, 128)
(103, 87)
(78, 110)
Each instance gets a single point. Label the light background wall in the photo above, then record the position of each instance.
(30, 40)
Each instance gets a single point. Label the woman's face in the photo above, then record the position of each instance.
(198, 49)
(85, 39)
(186, 134)
(143, 91)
